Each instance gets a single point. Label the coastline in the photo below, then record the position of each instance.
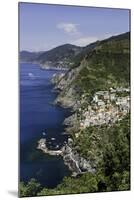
(76, 164)
(46, 67)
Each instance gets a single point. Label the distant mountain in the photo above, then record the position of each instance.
(71, 56)
(60, 56)
(26, 56)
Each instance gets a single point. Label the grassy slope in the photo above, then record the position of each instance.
(107, 65)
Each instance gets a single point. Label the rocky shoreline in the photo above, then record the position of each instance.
(42, 146)
(46, 67)
(106, 107)
(75, 163)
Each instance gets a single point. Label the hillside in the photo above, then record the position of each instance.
(87, 49)
(61, 56)
(105, 65)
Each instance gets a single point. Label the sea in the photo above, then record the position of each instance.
(40, 118)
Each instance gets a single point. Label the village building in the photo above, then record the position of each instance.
(104, 111)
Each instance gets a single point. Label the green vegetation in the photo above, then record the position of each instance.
(83, 184)
(107, 65)
(29, 189)
(61, 53)
(110, 147)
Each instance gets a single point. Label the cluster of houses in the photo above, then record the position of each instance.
(106, 107)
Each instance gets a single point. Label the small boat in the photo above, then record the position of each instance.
(53, 139)
(31, 75)
(43, 133)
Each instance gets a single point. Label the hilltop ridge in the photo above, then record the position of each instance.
(60, 57)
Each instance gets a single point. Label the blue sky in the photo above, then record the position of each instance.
(43, 26)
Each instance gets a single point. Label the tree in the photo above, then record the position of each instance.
(31, 189)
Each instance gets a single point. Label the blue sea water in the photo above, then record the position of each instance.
(38, 115)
